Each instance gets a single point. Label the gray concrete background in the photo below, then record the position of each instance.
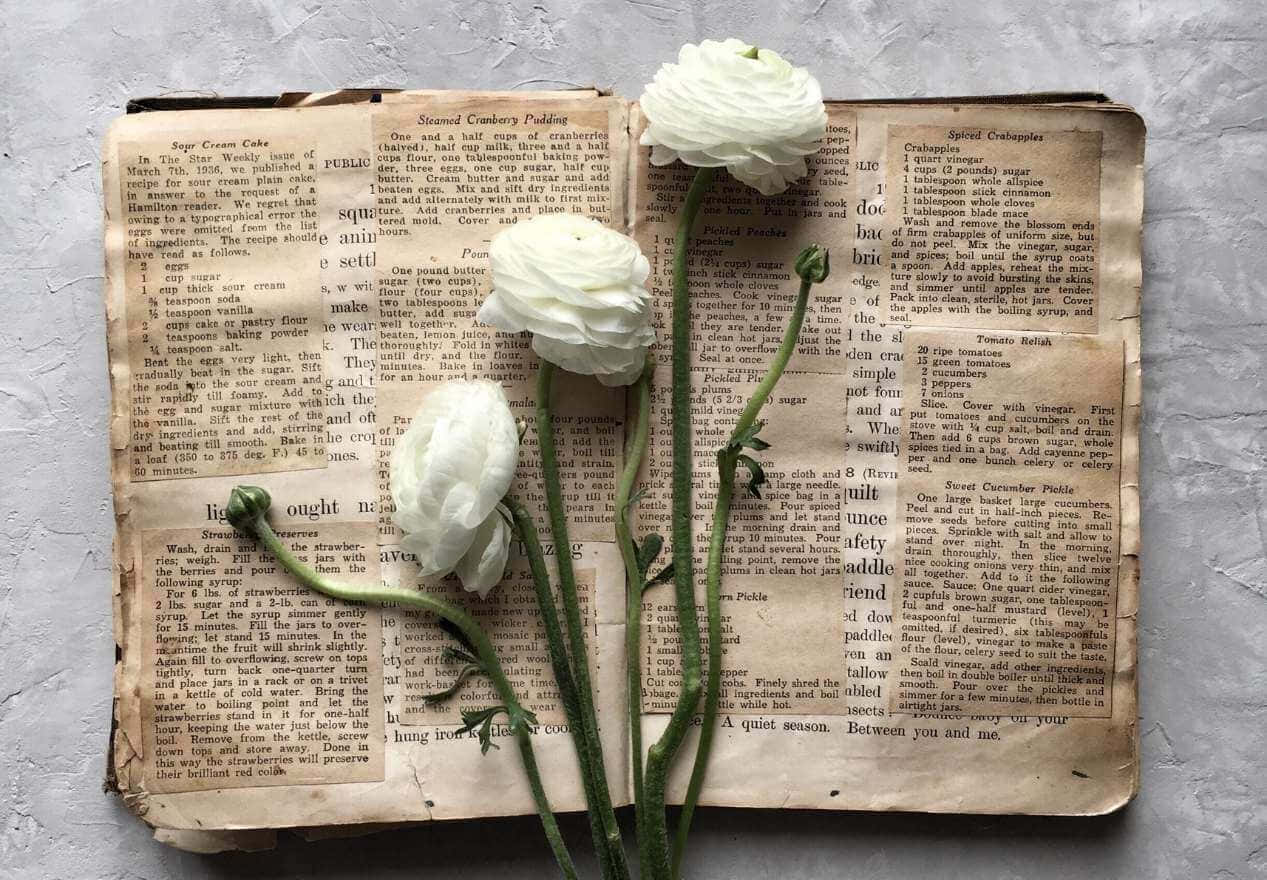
(1197, 73)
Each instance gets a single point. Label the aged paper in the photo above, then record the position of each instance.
(255, 680)
(224, 318)
(914, 244)
(284, 285)
(1007, 517)
(359, 290)
(989, 227)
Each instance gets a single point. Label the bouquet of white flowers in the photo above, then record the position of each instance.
(578, 287)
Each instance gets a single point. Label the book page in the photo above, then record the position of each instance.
(931, 607)
(1007, 520)
(928, 524)
(783, 609)
(284, 286)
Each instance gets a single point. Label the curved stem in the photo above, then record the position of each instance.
(661, 754)
(727, 463)
(634, 579)
(777, 365)
(557, 845)
(473, 632)
(572, 616)
(528, 536)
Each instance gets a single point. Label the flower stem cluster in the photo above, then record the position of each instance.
(612, 852)
(763, 140)
(813, 267)
(247, 511)
(579, 289)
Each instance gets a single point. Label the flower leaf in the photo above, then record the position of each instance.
(521, 719)
(450, 654)
(665, 575)
(473, 718)
(635, 497)
(482, 721)
(756, 475)
(748, 439)
(648, 551)
(439, 697)
(460, 637)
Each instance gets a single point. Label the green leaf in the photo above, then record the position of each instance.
(635, 497)
(756, 475)
(473, 718)
(450, 654)
(481, 720)
(458, 636)
(665, 575)
(648, 551)
(748, 439)
(440, 696)
(521, 719)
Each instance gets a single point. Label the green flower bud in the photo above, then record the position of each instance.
(813, 265)
(246, 505)
(752, 53)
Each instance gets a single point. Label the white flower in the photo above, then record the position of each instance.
(578, 287)
(483, 565)
(449, 471)
(760, 117)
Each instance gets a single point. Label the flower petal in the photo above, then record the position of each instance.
(579, 288)
(484, 563)
(760, 117)
(450, 469)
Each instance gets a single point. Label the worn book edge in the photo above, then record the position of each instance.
(254, 839)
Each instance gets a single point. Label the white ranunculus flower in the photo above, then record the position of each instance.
(579, 288)
(760, 117)
(484, 563)
(449, 471)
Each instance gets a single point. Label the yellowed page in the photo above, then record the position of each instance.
(301, 270)
(378, 305)
(948, 225)
(1007, 525)
(254, 681)
(451, 171)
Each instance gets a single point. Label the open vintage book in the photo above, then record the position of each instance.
(931, 608)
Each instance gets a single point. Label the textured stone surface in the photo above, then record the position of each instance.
(1197, 72)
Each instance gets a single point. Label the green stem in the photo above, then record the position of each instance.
(551, 825)
(660, 755)
(572, 616)
(527, 531)
(484, 648)
(777, 365)
(727, 463)
(634, 580)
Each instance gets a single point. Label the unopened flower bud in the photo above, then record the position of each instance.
(246, 505)
(813, 265)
